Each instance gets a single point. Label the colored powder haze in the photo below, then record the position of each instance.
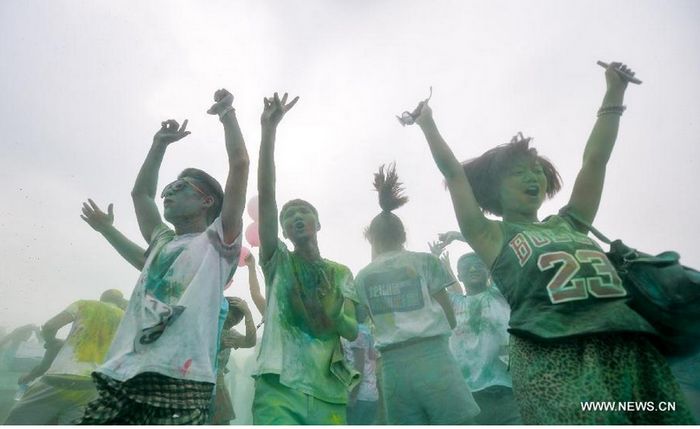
(85, 85)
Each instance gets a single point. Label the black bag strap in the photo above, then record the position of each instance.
(599, 235)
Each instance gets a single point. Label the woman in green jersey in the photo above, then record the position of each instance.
(578, 354)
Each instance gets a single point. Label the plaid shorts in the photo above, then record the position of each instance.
(149, 399)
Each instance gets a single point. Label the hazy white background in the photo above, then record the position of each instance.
(85, 84)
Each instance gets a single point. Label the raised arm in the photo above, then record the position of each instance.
(144, 192)
(104, 224)
(238, 166)
(482, 234)
(588, 188)
(437, 248)
(254, 285)
(273, 112)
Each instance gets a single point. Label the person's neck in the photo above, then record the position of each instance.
(520, 217)
(470, 291)
(378, 250)
(308, 249)
(190, 226)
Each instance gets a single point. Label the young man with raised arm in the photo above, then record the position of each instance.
(301, 376)
(161, 366)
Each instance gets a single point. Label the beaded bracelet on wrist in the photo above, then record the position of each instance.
(611, 110)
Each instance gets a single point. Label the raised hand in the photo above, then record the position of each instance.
(615, 76)
(239, 303)
(445, 258)
(170, 131)
(222, 100)
(275, 109)
(450, 236)
(96, 218)
(436, 247)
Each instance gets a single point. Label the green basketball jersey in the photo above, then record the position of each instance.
(559, 283)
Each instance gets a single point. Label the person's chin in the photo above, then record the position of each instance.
(168, 214)
(300, 236)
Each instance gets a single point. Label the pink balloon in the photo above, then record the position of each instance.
(253, 208)
(244, 254)
(252, 236)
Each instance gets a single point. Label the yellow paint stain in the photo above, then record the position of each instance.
(98, 324)
(337, 419)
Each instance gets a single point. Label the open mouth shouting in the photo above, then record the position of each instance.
(533, 190)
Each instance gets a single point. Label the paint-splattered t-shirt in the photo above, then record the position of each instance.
(173, 322)
(94, 326)
(398, 288)
(298, 343)
(479, 342)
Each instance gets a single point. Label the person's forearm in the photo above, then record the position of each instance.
(255, 293)
(346, 326)
(266, 164)
(442, 154)
(250, 337)
(266, 194)
(48, 332)
(147, 178)
(602, 139)
(237, 180)
(235, 144)
(132, 252)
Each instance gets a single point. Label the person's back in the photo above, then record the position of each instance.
(404, 293)
(395, 288)
(61, 394)
(89, 339)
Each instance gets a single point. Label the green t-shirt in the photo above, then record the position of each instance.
(559, 283)
(298, 342)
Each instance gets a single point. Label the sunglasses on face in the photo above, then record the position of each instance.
(180, 184)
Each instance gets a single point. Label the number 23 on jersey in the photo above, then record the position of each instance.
(566, 286)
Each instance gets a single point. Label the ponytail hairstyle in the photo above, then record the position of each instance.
(386, 228)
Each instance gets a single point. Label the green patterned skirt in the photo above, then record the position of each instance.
(598, 379)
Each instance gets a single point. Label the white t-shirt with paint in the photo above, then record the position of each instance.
(173, 322)
(398, 288)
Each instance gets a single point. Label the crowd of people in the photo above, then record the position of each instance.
(534, 323)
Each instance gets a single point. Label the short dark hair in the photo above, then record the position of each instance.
(470, 257)
(210, 186)
(297, 202)
(486, 172)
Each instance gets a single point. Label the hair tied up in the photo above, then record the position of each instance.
(389, 189)
(519, 138)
